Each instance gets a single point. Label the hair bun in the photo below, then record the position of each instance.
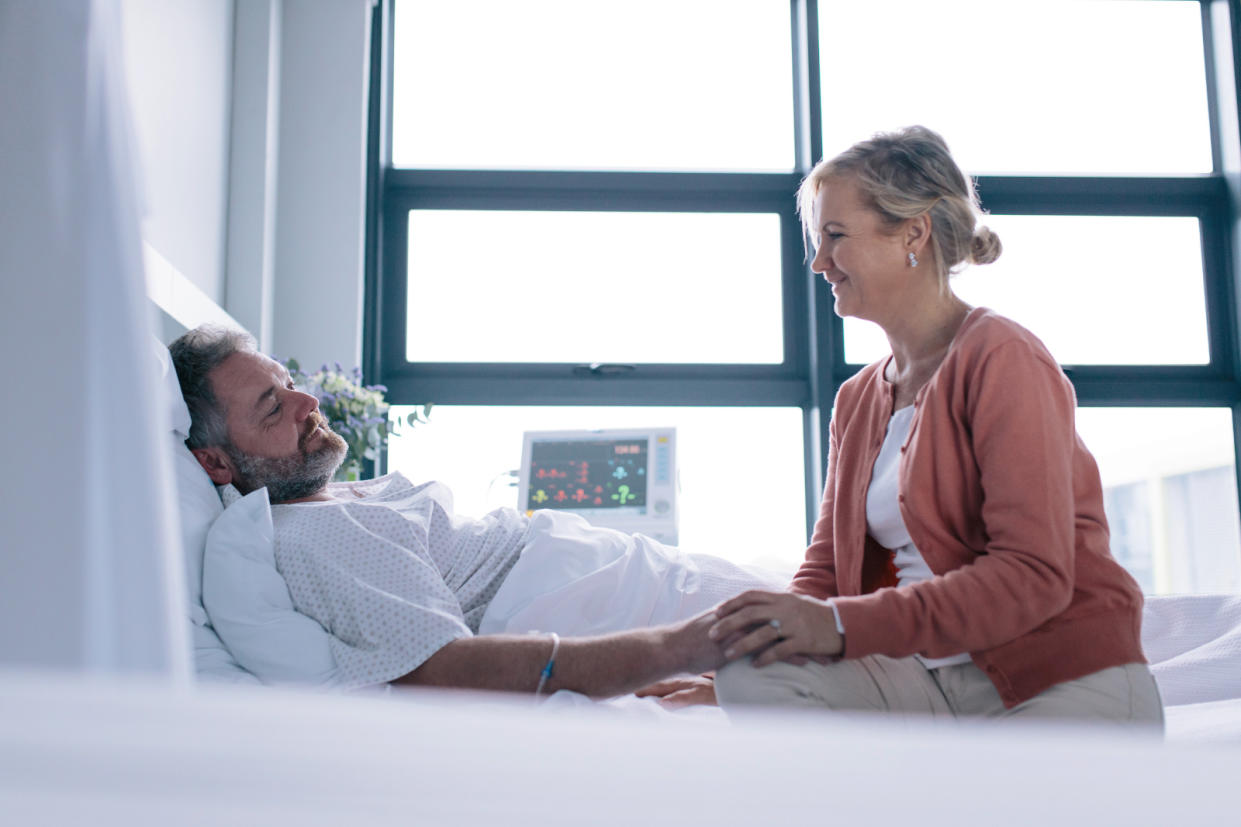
(985, 246)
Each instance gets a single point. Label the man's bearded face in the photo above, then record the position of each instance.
(298, 475)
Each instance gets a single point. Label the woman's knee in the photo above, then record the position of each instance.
(740, 683)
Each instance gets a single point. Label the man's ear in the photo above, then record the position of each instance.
(216, 463)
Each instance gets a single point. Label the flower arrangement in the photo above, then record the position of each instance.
(355, 411)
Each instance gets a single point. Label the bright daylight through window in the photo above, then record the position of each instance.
(589, 183)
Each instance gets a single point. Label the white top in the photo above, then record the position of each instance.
(392, 574)
(885, 524)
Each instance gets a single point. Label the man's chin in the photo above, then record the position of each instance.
(294, 477)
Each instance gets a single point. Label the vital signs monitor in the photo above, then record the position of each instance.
(622, 479)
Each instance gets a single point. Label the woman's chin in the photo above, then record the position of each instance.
(844, 309)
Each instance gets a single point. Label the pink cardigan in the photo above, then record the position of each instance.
(1004, 502)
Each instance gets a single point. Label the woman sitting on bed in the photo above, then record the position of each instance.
(960, 564)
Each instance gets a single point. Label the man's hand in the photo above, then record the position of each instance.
(688, 646)
(676, 693)
(776, 626)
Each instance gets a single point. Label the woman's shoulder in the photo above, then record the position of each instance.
(987, 334)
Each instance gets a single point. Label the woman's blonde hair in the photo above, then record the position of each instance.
(902, 175)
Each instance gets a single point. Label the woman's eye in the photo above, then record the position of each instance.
(835, 236)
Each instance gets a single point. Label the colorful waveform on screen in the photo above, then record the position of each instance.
(588, 474)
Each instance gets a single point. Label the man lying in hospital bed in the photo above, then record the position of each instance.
(406, 590)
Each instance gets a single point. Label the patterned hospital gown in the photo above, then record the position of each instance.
(393, 575)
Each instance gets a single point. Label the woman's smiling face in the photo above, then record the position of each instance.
(863, 259)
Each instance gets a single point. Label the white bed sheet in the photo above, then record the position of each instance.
(74, 750)
(1211, 721)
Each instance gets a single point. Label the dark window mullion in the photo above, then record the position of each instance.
(585, 183)
(1193, 195)
(1212, 84)
(395, 286)
(455, 388)
(1219, 290)
(1162, 386)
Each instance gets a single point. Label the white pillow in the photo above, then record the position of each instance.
(197, 505)
(249, 602)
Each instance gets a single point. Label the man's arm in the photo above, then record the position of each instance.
(601, 666)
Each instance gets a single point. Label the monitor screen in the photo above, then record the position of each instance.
(603, 473)
(622, 479)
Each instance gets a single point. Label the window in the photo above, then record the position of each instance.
(562, 84)
(1052, 87)
(583, 217)
(588, 298)
(1170, 493)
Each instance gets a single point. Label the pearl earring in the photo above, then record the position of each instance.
(913, 260)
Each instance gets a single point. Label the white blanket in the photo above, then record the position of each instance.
(577, 579)
(1193, 643)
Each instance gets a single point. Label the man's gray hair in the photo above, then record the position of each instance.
(194, 356)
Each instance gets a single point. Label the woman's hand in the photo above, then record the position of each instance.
(776, 626)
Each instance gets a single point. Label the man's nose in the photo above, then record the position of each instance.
(305, 403)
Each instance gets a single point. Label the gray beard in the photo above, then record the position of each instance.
(293, 477)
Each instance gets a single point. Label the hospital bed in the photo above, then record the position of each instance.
(229, 750)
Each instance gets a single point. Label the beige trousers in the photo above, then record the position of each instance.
(1122, 694)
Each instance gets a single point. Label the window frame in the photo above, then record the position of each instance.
(814, 366)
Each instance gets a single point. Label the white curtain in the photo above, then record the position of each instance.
(90, 572)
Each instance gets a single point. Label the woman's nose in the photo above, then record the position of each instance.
(821, 262)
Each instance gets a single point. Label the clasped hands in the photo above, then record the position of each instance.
(775, 626)
(772, 626)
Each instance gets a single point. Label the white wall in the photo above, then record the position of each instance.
(320, 204)
(178, 58)
(251, 122)
(254, 166)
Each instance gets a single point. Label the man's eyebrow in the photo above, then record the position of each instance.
(270, 392)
